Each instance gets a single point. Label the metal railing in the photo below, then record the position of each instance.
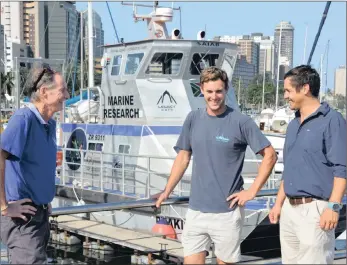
(138, 176)
(133, 204)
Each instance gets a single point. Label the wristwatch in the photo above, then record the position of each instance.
(336, 207)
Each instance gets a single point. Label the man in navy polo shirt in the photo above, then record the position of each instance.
(27, 169)
(314, 177)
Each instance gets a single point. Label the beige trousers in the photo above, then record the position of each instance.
(302, 239)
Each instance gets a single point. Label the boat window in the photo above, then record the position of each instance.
(228, 64)
(117, 60)
(133, 62)
(95, 146)
(124, 149)
(201, 61)
(165, 64)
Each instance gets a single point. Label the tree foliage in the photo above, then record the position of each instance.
(253, 93)
(74, 80)
(6, 83)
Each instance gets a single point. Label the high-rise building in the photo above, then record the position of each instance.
(98, 33)
(2, 49)
(286, 30)
(244, 71)
(14, 49)
(12, 19)
(340, 81)
(34, 28)
(247, 47)
(250, 49)
(62, 30)
(266, 52)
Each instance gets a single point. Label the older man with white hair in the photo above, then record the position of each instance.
(27, 169)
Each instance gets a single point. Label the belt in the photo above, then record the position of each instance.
(300, 200)
(41, 206)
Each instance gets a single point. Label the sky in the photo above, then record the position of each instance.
(242, 18)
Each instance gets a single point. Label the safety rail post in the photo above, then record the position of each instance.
(123, 175)
(88, 98)
(148, 177)
(62, 174)
(82, 165)
(273, 184)
(101, 171)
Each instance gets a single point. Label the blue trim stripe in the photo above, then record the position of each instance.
(123, 130)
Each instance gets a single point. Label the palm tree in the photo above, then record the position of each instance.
(6, 83)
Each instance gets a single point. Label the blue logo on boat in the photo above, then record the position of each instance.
(222, 139)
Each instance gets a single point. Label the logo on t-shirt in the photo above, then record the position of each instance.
(222, 139)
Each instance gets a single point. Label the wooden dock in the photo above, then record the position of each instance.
(141, 241)
(144, 242)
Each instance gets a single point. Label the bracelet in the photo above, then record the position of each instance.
(3, 209)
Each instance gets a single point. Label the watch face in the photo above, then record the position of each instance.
(336, 207)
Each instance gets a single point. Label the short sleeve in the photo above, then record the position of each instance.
(184, 140)
(253, 136)
(335, 144)
(14, 137)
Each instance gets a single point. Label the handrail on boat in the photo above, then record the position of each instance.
(118, 171)
(133, 204)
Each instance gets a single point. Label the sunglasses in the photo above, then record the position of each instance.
(46, 69)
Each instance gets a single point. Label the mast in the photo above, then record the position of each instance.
(278, 64)
(303, 60)
(91, 46)
(321, 77)
(82, 60)
(263, 97)
(325, 13)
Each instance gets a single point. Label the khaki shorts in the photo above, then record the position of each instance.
(222, 229)
(302, 239)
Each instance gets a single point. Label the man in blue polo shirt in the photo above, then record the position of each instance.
(314, 177)
(217, 136)
(27, 169)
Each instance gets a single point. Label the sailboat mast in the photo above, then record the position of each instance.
(303, 60)
(91, 46)
(278, 64)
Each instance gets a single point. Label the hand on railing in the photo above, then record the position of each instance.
(162, 196)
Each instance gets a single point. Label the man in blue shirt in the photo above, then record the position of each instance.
(217, 137)
(314, 176)
(27, 169)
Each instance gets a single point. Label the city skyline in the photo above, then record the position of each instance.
(194, 14)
